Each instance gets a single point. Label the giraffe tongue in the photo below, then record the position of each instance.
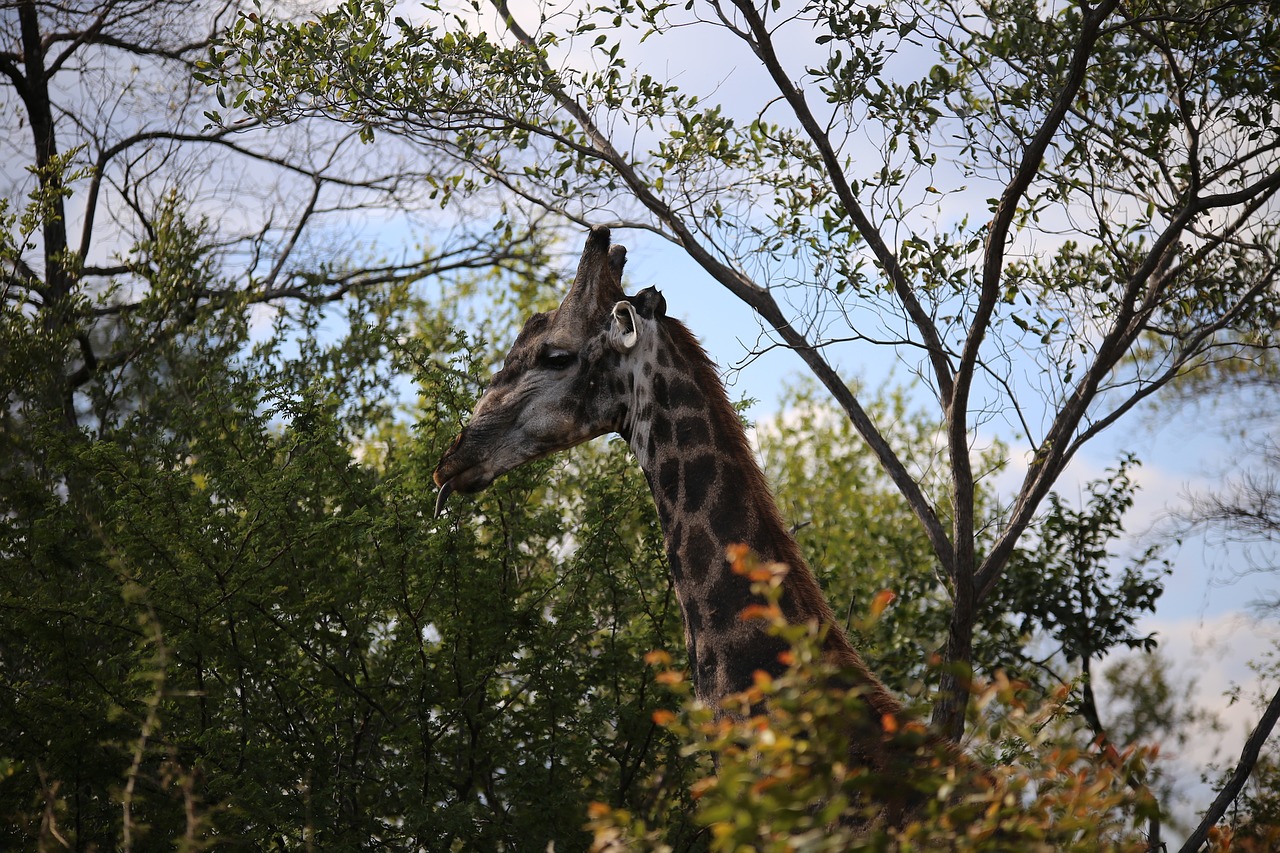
(445, 491)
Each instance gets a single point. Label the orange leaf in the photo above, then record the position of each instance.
(882, 599)
(759, 611)
(669, 676)
(697, 789)
(657, 657)
(762, 785)
(663, 717)
(889, 723)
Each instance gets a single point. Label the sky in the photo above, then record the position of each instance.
(1203, 624)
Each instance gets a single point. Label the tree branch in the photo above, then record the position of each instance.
(1044, 470)
(762, 43)
(1244, 769)
(758, 298)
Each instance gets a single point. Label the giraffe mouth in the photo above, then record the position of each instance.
(476, 459)
(459, 470)
(464, 481)
(442, 496)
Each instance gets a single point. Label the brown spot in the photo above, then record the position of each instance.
(692, 431)
(699, 478)
(669, 480)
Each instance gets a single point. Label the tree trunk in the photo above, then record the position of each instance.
(35, 97)
(957, 668)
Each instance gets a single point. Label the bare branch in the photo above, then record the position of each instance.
(762, 44)
(753, 295)
(1243, 770)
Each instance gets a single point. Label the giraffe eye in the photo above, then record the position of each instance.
(558, 359)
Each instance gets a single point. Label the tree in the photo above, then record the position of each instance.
(1243, 513)
(225, 619)
(108, 176)
(1146, 704)
(1126, 154)
(857, 531)
(1063, 605)
(226, 615)
(1075, 595)
(241, 627)
(1252, 823)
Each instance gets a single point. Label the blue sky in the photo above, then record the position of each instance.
(1205, 626)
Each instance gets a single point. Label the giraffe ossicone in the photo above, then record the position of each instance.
(603, 362)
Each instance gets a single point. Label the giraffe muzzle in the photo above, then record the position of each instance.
(465, 481)
(459, 470)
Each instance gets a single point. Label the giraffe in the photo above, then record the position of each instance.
(602, 363)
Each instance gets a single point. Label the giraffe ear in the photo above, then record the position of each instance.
(650, 303)
(623, 328)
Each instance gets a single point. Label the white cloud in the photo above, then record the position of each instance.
(1213, 657)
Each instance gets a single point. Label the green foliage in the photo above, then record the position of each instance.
(232, 621)
(1074, 594)
(1047, 211)
(859, 535)
(1255, 825)
(230, 618)
(1115, 97)
(857, 531)
(782, 781)
(1146, 703)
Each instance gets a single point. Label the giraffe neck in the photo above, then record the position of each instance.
(710, 494)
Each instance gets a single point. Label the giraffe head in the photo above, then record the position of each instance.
(568, 378)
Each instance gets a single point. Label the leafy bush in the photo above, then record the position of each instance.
(778, 776)
(230, 618)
